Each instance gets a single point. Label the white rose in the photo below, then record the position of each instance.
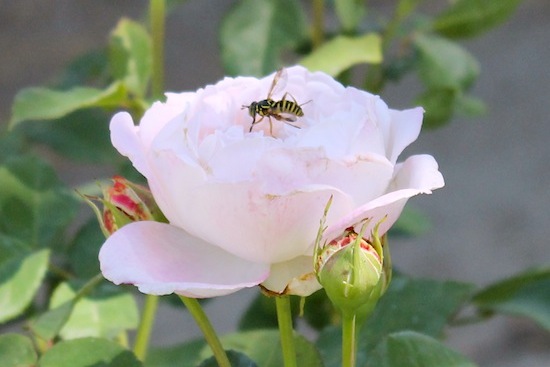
(244, 207)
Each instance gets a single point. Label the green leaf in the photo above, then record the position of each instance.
(406, 7)
(235, 358)
(11, 247)
(90, 68)
(343, 52)
(182, 355)
(439, 104)
(319, 311)
(444, 64)
(20, 278)
(262, 313)
(87, 352)
(468, 18)
(47, 325)
(114, 311)
(130, 54)
(82, 135)
(470, 106)
(38, 103)
(84, 250)
(419, 305)
(410, 349)
(11, 144)
(350, 13)
(261, 346)
(16, 351)
(254, 33)
(34, 203)
(411, 223)
(526, 294)
(416, 304)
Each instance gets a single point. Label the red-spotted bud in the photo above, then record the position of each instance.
(125, 202)
(352, 270)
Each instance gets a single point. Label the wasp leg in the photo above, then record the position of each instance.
(291, 96)
(286, 120)
(288, 123)
(294, 99)
(254, 122)
(270, 126)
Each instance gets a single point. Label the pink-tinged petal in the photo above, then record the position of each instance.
(256, 226)
(420, 172)
(155, 118)
(161, 259)
(362, 177)
(295, 277)
(404, 129)
(125, 138)
(388, 206)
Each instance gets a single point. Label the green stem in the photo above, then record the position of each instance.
(157, 10)
(318, 23)
(195, 309)
(145, 326)
(349, 343)
(284, 317)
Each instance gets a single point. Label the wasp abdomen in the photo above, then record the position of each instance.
(291, 107)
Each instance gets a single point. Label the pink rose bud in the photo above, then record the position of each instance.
(125, 202)
(351, 270)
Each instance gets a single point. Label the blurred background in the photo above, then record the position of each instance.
(491, 220)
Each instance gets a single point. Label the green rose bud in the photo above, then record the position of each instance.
(351, 270)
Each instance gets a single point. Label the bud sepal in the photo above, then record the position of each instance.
(124, 202)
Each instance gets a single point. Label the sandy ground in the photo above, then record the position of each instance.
(491, 220)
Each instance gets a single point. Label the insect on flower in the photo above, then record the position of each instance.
(282, 110)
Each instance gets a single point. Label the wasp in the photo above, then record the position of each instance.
(283, 110)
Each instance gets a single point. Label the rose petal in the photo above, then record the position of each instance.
(160, 114)
(417, 175)
(256, 226)
(388, 206)
(419, 172)
(295, 277)
(404, 129)
(125, 138)
(162, 259)
(284, 170)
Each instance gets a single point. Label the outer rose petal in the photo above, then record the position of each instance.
(417, 175)
(125, 138)
(162, 259)
(405, 128)
(256, 226)
(419, 172)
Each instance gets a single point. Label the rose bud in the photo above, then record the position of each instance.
(125, 202)
(351, 270)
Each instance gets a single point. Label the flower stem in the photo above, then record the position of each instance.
(145, 326)
(157, 10)
(318, 26)
(195, 309)
(284, 318)
(348, 340)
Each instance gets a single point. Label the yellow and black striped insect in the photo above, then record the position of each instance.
(282, 110)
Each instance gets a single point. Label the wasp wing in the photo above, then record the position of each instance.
(279, 83)
(284, 116)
